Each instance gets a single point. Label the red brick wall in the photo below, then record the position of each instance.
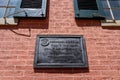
(17, 45)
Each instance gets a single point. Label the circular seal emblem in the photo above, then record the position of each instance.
(44, 42)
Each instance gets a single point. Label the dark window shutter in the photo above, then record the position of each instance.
(31, 8)
(88, 9)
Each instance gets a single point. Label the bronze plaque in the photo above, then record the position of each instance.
(60, 52)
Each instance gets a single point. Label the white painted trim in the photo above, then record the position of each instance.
(2, 21)
(11, 21)
(110, 23)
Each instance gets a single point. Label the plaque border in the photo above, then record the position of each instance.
(48, 65)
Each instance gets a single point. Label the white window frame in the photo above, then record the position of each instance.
(112, 22)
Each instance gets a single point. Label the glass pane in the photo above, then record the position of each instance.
(107, 13)
(3, 2)
(116, 14)
(2, 10)
(10, 12)
(115, 3)
(104, 3)
(13, 2)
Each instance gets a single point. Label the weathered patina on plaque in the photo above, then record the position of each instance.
(60, 52)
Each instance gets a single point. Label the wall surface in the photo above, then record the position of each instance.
(17, 45)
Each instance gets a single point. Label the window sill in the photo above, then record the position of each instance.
(110, 23)
(9, 21)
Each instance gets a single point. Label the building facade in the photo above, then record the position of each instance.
(17, 46)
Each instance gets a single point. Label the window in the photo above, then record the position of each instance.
(91, 9)
(7, 8)
(31, 8)
(112, 12)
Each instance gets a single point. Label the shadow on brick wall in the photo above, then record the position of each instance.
(111, 27)
(87, 22)
(62, 70)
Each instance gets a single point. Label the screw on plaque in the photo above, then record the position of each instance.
(44, 42)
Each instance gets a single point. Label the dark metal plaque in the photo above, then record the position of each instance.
(60, 52)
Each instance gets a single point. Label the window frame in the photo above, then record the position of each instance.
(111, 22)
(21, 12)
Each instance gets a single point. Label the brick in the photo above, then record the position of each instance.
(83, 78)
(114, 57)
(25, 57)
(1, 73)
(8, 57)
(113, 48)
(103, 78)
(110, 73)
(3, 62)
(63, 78)
(7, 67)
(29, 62)
(115, 67)
(53, 73)
(23, 67)
(13, 73)
(19, 52)
(31, 73)
(116, 78)
(6, 78)
(98, 57)
(16, 62)
(99, 68)
(108, 62)
(24, 78)
(43, 78)
(94, 62)
(92, 73)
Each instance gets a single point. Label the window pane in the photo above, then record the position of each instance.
(115, 3)
(13, 2)
(107, 13)
(3, 2)
(104, 3)
(116, 14)
(10, 12)
(2, 10)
